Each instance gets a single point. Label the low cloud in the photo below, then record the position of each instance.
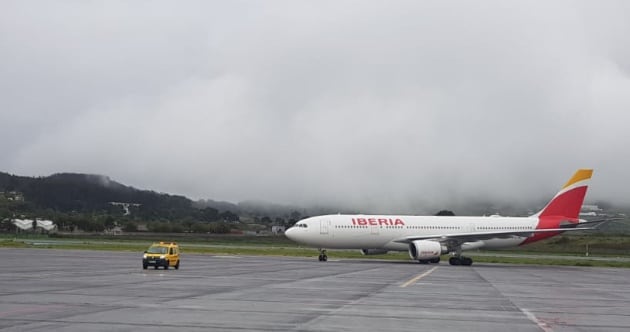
(362, 104)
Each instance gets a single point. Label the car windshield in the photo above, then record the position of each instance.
(157, 250)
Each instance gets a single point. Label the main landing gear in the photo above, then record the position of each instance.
(322, 255)
(460, 260)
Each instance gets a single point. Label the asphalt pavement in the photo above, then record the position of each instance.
(78, 290)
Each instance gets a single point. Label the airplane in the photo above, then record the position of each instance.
(426, 238)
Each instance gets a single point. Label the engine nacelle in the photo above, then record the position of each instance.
(423, 249)
(373, 251)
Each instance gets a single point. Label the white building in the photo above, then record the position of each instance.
(23, 224)
(27, 224)
(278, 229)
(590, 208)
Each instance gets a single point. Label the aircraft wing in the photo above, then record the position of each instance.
(459, 238)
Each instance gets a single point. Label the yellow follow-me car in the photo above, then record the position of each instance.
(161, 254)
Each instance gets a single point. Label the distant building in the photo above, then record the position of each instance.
(23, 224)
(117, 230)
(590, 208)
(278, 229)
(13, 196)
(28, 224)
(125, 206)
(46, 224)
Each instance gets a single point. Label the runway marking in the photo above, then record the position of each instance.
(418, 277)
(542, 325)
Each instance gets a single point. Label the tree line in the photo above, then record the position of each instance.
(90, 203)
(93, 203)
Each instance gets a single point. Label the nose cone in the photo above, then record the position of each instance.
(290, 233)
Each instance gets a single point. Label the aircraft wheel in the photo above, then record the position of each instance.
(423, 261)
(454, 261)
(435, 260)
(467, 261)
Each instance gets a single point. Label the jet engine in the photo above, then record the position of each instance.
(373, 251)
(426, 250)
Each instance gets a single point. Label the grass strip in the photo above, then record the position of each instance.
(259, 249)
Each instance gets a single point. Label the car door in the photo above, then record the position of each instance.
(173, 256)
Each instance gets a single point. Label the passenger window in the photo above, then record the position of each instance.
(172, 251)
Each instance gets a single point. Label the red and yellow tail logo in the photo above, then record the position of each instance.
(565, 207)
(568, 202)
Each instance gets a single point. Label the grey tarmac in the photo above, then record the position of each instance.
(68, 290)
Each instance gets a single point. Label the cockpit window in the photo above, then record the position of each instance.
(301, 225)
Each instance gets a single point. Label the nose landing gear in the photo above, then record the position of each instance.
(322, 255)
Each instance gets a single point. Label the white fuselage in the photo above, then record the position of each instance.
(380, 232)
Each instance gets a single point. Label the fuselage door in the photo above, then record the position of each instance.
(374, 229)
(324, 225)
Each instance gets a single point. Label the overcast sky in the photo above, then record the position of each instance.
(384, 104)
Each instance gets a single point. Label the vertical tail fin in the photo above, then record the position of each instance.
(568, 201)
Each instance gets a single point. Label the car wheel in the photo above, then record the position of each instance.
(166, 266)
(177, 265)
(144, 266)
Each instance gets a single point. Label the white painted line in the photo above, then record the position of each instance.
(543, 326)
(418, 277)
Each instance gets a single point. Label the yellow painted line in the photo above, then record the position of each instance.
(418, 277)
